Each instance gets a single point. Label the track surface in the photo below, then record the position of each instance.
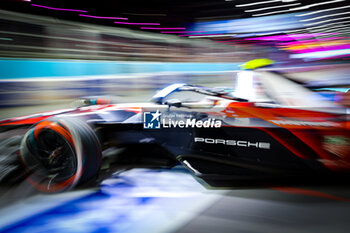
(144, 200)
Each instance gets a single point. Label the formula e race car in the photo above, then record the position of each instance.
(266, 126)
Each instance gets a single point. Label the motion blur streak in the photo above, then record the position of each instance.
(162, 28)
(320, 11)
(182, 31)
(58, 9)
(272, 7)
(308, 192)
(102, 17)
(136, 23)
(317, 4)
(263, 2)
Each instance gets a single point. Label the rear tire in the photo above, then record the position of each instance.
(60, 153)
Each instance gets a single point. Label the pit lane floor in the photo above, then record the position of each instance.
(172, 200)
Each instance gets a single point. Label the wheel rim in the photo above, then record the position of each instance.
(56, 155)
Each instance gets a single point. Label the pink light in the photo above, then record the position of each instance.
(336, 57)
(58, 9)
(137, 23)
(310, 41)
(326, 48)
(102, 17)
(182, 31)
(151, 28)
(202, 34)
(288, 37)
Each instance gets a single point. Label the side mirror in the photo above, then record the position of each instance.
(173, 103)
(93, 100)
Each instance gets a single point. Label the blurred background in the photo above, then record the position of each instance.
(52, 52)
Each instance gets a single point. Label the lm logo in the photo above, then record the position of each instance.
(151, 120)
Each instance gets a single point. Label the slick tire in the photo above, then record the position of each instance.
(60, 153)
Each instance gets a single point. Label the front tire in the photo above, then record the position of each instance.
(60, 153)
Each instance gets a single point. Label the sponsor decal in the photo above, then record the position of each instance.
(151, 120)
(154, 120)
(192, 123)
(240, 143)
